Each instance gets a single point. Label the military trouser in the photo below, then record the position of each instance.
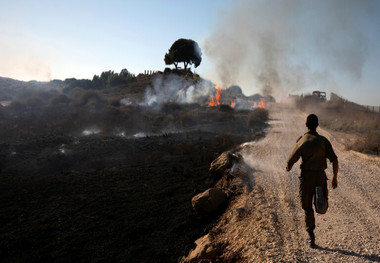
(308, 181)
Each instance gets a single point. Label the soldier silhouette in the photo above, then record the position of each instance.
(314, 150)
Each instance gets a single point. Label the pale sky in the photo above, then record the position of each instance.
(45, 40)
(51, 39)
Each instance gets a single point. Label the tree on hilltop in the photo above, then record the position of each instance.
(184, 50)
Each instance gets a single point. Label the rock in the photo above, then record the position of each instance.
(222, 164)
(209, 201)
(205, 251)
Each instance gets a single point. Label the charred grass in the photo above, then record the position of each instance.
(135, 209)
(67, 197)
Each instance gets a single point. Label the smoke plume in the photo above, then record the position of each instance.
(173, 88)
(279, 47)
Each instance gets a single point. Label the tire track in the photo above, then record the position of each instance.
(272, 229)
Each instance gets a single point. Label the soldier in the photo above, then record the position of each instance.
(314, 149)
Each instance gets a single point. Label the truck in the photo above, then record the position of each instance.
(320, 95)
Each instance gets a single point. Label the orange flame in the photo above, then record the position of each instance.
(233, 104)
(261, 104)
(216, 100)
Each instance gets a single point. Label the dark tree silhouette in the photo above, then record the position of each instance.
(184, 50)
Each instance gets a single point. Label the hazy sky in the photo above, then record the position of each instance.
(61, 39)
(291, 45)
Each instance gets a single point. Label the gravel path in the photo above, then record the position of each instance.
(266, 223)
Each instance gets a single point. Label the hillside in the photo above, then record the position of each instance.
(107, 173)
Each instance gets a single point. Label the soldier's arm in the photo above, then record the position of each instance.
(330, 154)
(293, 157)
(334, 181)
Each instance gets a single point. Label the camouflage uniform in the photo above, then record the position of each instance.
(314, 150)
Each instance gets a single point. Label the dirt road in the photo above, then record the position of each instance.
(266, 223)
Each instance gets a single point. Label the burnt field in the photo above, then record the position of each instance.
(87, 179)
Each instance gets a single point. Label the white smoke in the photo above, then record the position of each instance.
(91, 131)
(279, 47)
(173, 88)
(126, 101)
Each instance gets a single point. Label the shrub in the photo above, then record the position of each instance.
(225, 108)
(76, 92)
(114, 101)
(257, 117)
(115, 79)
(163, 120)
(25, 94)
(61, 99)
(33, 103)
(7, 93)
(171, 107)
(167, 70)
(369, 143)
(17, 106)
(186, 119)
(46, 95)
(90, 97)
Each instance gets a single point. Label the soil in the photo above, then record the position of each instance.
(266, 222)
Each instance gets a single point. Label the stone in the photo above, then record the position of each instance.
(222, 164)
(209, 201)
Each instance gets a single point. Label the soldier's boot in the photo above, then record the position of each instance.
(312, 239)
(319, 200)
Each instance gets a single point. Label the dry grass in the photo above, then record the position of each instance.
(350, 118)
(257, 117)
(370, 143)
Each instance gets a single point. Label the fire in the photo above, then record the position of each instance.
(233, 104)
(216, 100)
(261, 104)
